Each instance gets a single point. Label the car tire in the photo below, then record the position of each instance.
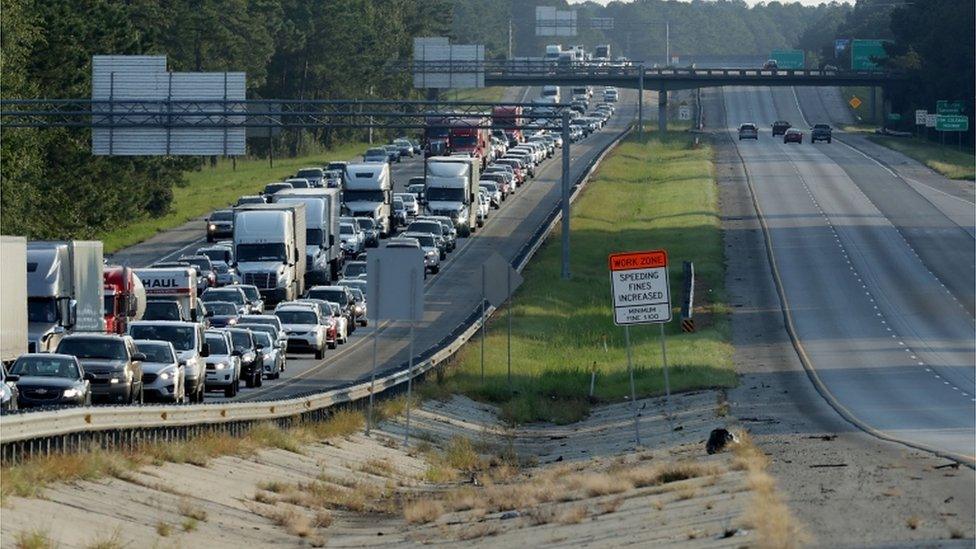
(332, 345)
(828, 140)
(320, 353)
(435, 269)
(249, 382)
(231, 390)
(260, 380)
(363, 322)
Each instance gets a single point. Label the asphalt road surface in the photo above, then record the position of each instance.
(878, 274)
(450, 296)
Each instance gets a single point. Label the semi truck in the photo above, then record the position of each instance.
(125, 298)
(436, 133)
(13, 288)
(323, 252)
(510, 120)
(471, 135)
(601, 53)
(552, 52)
(369, 193)
(452, 190)
(172, 284)
(269, 249)
(64, 291)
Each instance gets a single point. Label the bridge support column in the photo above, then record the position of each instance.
(662, 109)
(640, 102)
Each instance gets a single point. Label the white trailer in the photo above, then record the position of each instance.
(13, 288)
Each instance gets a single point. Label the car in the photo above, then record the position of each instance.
(267, 320)
(370, 229)
(226, 275)
(162, 373)
(252, 360)
(433, 228)
(793, 135)
(314, 176)
(220, 224)
(205, 270)
(223, 314)
(223, 364)
(114, 362)
(354, 284)
(393, 152)
(748, 131)
(48, 379)
(218, 252)
(251, 199)
(336, 323)
(780, 127)
(272, 188)
(354, 269)
(770, 64)
(299, 183)
(494, 193)
(255, 303)
(432, 255)
(351, 238)
(333, 179)
(417, 186)
(376, 154)
(450, 230)
(410, 203)
(305, 328)
(163, 309)
(359, 306)
(501, 180)
(821, 132)
(272, 358)
(203, 278)
(190, 345)
(507, 172)
(405, 146)
(338, 167)
(336, 294)
(484, 207)
(399, 212)
(230, 294)
(8, 392)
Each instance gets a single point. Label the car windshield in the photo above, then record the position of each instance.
(357, 294)
(221, 308)
(821, 126)
(162, 310)
(217, 344)
(221, 267)
(376, 152)
(314, 236)
(435, 194)
(366, 223)
(355, 268)
(398, 204)
(296, 317)
(336, 295)
(490, 187)
(347, 228)
(83, 347)
(402, 143)
(262, 339)
(109, 304)
(222, 215)
(363, 196)
(309, 174)
(241, 340)
(203, 263)
(156, 352)
(250, 200)
(232, 295)
(261, 252)
(408, 198)
(42, 310)
(183, 338)
(264, 321)
(42, 366)
(433, 227)
(275, 187)
(250, 292)
(425, 240)
(262, 329)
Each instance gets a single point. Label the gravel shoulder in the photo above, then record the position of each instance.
(850, 489)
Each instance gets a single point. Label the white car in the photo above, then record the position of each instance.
(494, 193)
(484, 206)
(223, 366)
(342, 323)
(352, 238)
(410, 203)
(304, 326)
(162, 374)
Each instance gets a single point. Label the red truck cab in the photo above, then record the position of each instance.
(510, 120)
(125, 298)
(467, 137)
(436, 134)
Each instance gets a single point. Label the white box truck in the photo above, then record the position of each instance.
(64, 291)
(323, 250)
(172, 284)
(269, 249)
(368, 192)
(13, 294)
(452, 189)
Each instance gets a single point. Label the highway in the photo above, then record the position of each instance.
(877, 271)
(451, 296)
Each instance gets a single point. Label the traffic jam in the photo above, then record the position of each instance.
(282, 274)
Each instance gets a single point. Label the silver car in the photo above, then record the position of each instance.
(428, 243)
(223, 364)
(162, 373)
(268, 320)
(274, 357)
(305, 328)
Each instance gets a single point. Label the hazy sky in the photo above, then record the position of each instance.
(750, 2)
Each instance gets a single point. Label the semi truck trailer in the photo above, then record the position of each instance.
(452, 189)
(269, 249)
(323, 250)
(13, 288)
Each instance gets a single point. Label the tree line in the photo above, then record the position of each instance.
(50, 184)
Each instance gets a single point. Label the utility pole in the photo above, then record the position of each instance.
(667, 44)
(509, 38)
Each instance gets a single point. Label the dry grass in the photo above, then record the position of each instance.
(687, 492)
(541, 515)
(774, 523)
(164, 529)
(913, 522)
(667, 473)
(658, 504)
(109, 541)
(610, 506)
(189, 510)
(190, 524)
(33, 539)
(292, 521)
(378, 467)
(956, 533)
(892, 492)
(476, 531)
(422, 511)
(464, 499)
(323, 519)
(573, 515)
(598, 484)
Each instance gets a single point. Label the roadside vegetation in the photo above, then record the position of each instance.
(491, 94)
(211, 188)
(946, 159)
(655, 193)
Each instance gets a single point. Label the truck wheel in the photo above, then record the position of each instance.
(481, 223)
(363, 322)
(231, 389)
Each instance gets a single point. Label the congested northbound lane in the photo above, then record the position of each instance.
(887, 328)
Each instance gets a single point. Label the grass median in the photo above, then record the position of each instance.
(211, 188)
(658, 192)
(948, 160)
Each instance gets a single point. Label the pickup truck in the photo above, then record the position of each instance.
(820, 132)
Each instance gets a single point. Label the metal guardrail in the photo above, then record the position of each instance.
(61, 430)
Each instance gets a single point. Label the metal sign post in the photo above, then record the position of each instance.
(509, 292)
(372, 372)
(413, 314)
(483, 322)
(495, 293)
(641, 295)
(566, 192)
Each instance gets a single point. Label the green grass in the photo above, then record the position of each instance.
(492, 94)
(659, 193)
(947, 160)
(212, 188)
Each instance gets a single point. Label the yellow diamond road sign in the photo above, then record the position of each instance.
(854, 102)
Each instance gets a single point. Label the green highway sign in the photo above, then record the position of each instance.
(862, 52)
(894, 116)
(788, 59)
(952, 123)
(944, 106)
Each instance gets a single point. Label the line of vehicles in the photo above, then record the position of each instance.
(281, 273)
(819, 132)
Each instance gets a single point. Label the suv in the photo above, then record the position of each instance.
(188, 341)
(252, 360)
(230, 294)
(114, 362)
(220, 224)
(780, 127)
(748, 131)
(162, 375)
(820, 132)
(223, 364)
(336, 294)
(304, 326)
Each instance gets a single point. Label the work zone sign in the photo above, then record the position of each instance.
(639, 281)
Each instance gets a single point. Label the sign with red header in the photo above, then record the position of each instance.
(639, 281)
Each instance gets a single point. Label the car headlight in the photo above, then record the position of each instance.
(71, 393)
(212, 227)
(220, 365)
(114, 380)
(167, 376)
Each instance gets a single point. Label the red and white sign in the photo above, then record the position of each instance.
(639, 281)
